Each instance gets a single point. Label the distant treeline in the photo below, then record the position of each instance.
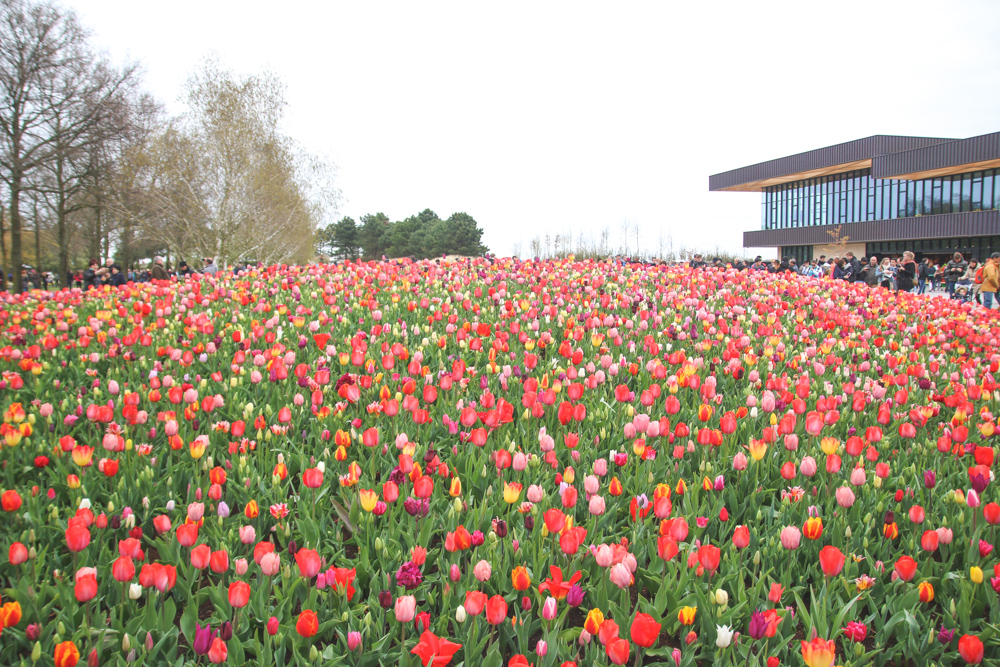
(419, 236)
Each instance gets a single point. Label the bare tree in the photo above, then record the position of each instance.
(624, 230)
(227, 183)
(53, 92)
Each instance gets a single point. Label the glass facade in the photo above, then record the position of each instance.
(980, 247)
(800, 253)
(855, 196)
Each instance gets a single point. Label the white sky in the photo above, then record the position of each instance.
(554, 117)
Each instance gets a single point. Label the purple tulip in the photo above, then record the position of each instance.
(203, 637)
(930, 479)
(758, 625)
(574, 598)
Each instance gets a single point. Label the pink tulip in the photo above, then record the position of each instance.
(270, 564)
(620, 575)
(808, 466)
(535, 494)
(603, 555)
(406, 608)
(790, 537)
(740, 461)
(597, 506)
(845, 497)
(858, 477)
(482, 571)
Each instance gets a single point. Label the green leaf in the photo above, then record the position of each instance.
(493, 658)
(188, 621)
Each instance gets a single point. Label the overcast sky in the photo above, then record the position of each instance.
(553, 117)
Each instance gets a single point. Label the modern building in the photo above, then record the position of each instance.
(878, 196)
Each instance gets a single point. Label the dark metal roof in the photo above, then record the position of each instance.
(983, 148)
(950, 225)
(819, 159)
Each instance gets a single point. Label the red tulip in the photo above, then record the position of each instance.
(666, 547)
(162, 524)
(187, 534)
(123, 569)
(929, 540)
(200, 556)
(831, 560)
(618, 650)
(77, 537)
(219, 561)
(434, 651)
(475, 601)
(312, 478)
(970, 647)
(218, 652)
(906, 568)
(741, 537)
(239, 594)
(308, 561)
(496, 610)
(10, 501)
(86, 584)
(991, 512)
(261, 549)
(555, 520)
(308, 623)
(17, 553)
(644, 631)
(708, 557)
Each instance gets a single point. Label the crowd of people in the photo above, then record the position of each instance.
(963, 280)
(111, 273)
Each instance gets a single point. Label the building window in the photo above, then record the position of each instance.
(855, 196)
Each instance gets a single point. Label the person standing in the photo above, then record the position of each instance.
(906, 278)
(954, 271)
(886, 274)
(991, 279)
(968, 280)
(90, 278)
(870, 272)
(925, 274)
(158, 272)
(855, 266)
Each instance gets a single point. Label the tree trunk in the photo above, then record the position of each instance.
(15, 231)
(38, 240)
(3, 255)
(61, 235)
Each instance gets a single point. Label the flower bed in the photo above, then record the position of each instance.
(498, 464)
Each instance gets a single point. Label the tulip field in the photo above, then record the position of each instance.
(498, 463)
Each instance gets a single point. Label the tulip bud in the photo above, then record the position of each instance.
(313, 653)
(461, 614)
(126, 643)
(36, 652)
